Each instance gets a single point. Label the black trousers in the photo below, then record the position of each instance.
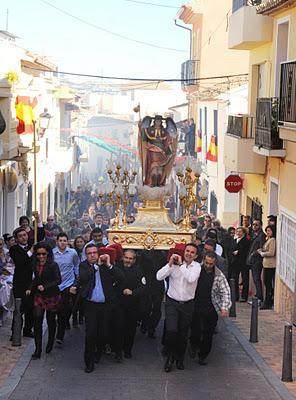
(64, 312)
(256, 273)
(38, 321)
(178, 317)
(202, 330)
(152, 310)
(128, 325)
(242, 270)
(268, 279)
(95, 329)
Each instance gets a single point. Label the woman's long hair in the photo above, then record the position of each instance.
(45, 246)
(75, 245)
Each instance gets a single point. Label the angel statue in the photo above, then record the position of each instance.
(157, 148)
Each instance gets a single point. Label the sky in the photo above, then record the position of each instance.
(83, 48)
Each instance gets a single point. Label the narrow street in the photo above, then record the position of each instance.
(230, 374)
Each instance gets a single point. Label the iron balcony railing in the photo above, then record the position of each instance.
(241, 126)
(266, 127)
(189, 73)
(288, 93)
(237, 4)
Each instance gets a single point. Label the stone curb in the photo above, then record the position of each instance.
(268, 373)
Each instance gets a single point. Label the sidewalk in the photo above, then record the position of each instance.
(10, 355)
(270, 338)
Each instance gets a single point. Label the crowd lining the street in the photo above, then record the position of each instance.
(75, 277)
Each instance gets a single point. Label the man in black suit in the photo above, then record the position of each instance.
(21, 254)
(96, 285)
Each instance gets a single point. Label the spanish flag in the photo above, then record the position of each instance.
(212, 154)
(25, 114)
(198, 144)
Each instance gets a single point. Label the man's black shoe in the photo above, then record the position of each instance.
(168, 366)
(28, 334)
(127, 354)
(48, 348)
(36, 355)
(180, 364)
(89, 368)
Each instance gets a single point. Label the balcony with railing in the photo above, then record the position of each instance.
(287, 112)
(238, 146)
(189, 74)
(267, 140)
(247, 29)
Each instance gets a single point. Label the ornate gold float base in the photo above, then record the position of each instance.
(153, 229)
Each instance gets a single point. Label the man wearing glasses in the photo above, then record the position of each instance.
(254, 260)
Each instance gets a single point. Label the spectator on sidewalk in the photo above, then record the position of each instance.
(212, 296)
(254, 260)
(85, 222)
(268, 253)
(238, 266)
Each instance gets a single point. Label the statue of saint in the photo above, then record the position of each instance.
(157, 148)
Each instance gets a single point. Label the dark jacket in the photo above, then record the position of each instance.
(239, 260)
(257, 242)
(87, 280)
(40, 235)
(22, 278)
(50, 279)
(134, 280)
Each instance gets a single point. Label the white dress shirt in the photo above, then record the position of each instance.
(182, 280)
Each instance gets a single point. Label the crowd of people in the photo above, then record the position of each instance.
(75, 277)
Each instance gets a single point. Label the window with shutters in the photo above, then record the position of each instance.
(287, 250)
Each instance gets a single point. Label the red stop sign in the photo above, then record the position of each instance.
(233, 183)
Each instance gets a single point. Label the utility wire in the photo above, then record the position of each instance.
(151, 4)
(137, 79)
(111, 32)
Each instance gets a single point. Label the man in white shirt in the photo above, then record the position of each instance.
(183, 277)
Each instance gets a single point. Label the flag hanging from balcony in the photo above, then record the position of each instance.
(24, 106)
(198, 144)
(212, 154)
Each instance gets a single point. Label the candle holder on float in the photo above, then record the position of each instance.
(188, 177)
(121, 187)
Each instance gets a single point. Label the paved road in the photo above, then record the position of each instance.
(229, 375)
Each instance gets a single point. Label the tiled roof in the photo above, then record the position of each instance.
(268, 6)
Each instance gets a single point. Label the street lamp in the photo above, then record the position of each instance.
(44, 119)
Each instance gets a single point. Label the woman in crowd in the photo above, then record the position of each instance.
(79, 244)
(46, 293)
(238, 265)
(268, 253)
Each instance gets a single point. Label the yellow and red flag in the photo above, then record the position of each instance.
(25, 114)
(212, 154)
(199, 143)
